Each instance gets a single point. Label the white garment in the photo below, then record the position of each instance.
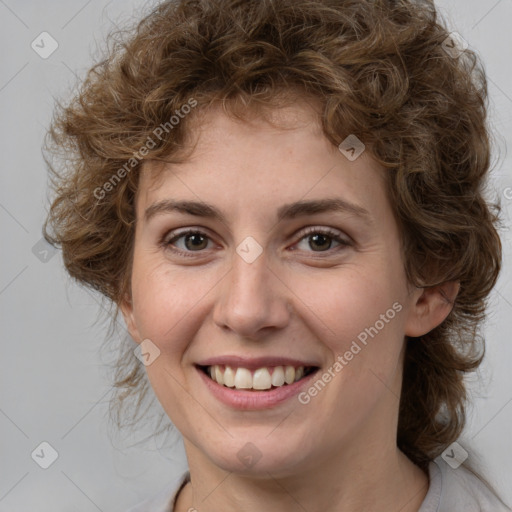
(450, 490)
(458, 490)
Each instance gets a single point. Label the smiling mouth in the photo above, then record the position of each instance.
(261, 379)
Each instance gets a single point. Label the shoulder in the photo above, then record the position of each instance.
(453, 490)
(164, 500)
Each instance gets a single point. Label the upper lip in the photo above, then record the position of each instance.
(254, 363)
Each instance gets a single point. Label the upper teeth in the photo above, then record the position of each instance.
(262, 378)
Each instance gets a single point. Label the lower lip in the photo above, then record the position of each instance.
(253, 400)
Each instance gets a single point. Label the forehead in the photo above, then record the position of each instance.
(281, 151)
(218, 125)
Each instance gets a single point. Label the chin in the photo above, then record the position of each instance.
(258, 458)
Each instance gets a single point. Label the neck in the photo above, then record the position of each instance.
(385, 482)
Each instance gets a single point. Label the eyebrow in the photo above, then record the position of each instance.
(287, 211)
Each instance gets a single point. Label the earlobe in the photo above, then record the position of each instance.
(126, 307)
(431, 307)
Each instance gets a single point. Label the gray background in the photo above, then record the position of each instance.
(53, 380)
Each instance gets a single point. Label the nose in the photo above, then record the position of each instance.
(253, 300)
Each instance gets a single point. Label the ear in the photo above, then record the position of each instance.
(126, 307)
(430, 308)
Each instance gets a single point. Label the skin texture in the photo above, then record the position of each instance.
(297, 299)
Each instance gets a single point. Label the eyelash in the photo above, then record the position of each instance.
(166, 242)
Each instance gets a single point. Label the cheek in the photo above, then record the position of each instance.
(353, 300)
(362, 318)
(162, 300)
(171, 305)
(166, 310)
(359, 315)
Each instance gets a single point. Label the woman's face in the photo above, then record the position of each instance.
(295, 262)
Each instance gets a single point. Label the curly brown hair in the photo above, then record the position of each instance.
(379, 69)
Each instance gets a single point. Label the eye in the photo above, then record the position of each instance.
(193, 241)
(321, 239)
